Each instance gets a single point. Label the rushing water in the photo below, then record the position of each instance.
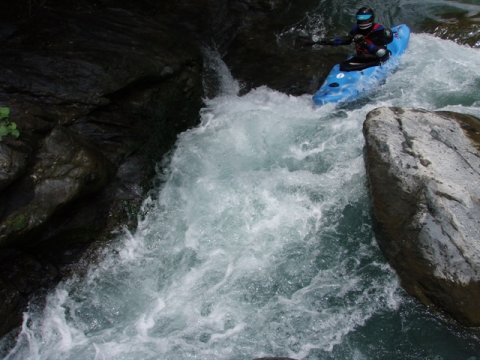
(259, 240)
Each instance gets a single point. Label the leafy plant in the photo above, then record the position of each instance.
(7, 127)
(4, 112)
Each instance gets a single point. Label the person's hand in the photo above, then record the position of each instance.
(381, 53)
(358, 39)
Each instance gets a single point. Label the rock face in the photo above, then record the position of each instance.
(281, 65)
(98, 94)
(463, 27)
(424, 170)
(65, 169)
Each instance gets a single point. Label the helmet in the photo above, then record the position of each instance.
(365, 18)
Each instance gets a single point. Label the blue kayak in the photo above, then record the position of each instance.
(345, 86)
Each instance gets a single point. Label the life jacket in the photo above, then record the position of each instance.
(377, 37)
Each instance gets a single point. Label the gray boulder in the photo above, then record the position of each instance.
(424, 170)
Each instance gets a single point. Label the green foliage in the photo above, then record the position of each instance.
(4, 112)
(6, 126)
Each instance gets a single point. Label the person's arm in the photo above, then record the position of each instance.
(379, 39)
(336, 41)
(306, 40)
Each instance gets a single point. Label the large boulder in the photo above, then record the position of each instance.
(424, 170)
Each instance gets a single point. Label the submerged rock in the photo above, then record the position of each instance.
(424, 170)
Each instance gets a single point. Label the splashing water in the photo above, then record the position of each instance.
(259, 242)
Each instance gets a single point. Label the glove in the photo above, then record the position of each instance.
(358, 39)
(381, 53)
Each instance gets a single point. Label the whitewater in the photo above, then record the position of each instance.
(258, 239)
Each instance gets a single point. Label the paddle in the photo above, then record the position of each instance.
(306, 40)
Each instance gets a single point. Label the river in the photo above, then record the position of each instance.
(258, 239)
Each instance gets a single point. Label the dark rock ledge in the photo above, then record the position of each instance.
(98, 98)
(424, 175)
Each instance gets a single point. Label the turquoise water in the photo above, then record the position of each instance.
(259, 240)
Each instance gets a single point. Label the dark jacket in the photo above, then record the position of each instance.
(375, 39)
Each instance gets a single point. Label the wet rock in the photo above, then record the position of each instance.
(424, 170)
(13, 162)
(99, 95)
(12, 300)
(264, 51)
(65, 169)
(461, 26)
(18, 283)
(119, 81)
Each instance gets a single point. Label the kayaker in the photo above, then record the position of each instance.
(370, 40)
